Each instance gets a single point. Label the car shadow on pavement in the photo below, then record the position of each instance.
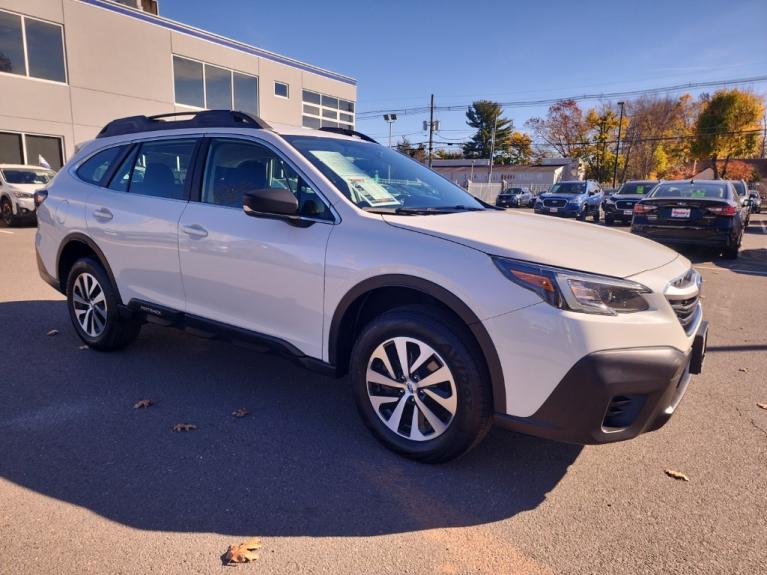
(749, 261)
(300, 463)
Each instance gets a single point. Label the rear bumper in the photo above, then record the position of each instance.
(720, 237)
(614, 395)
(47, 278)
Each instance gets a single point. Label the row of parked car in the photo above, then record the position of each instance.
(711, 213)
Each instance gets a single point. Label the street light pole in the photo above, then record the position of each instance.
(618, 144)
(431, 127)
(390, 119)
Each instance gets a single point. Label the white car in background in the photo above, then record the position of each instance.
(350, 258)
(18, 184)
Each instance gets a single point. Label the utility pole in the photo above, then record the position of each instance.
(618, 144)
(431, 127)
(764, 135)
(390, 119)
(492, 150)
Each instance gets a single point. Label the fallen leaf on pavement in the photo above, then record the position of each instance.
(53, 332)
(762, 405)
(242, 553)
(242, 412)
(85, 347)
(143, 403)
(677, 475)
(184, 427)
(743, 369)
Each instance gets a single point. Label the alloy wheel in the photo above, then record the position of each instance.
(411, 388)
(7, 212)
(90, 304)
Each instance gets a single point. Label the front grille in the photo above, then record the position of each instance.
(683, 294)
(624, 205)
(555, 203)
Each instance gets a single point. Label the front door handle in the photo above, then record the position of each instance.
(195, 230)
(103, 214)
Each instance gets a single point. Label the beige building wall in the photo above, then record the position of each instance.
(118, 65)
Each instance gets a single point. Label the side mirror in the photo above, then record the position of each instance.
(277, 203)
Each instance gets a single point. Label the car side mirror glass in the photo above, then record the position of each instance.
(270, 202)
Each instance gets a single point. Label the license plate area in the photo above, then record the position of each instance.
(680, 212)
(627, 212)
(554, 210)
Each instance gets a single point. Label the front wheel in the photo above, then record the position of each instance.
(596, 215)
(93, 308)
(6, 211)
(419, 384)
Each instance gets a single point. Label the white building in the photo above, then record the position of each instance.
(67, 67)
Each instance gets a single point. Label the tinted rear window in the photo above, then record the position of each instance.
(693, 191)
(94, 169)
(636, 187)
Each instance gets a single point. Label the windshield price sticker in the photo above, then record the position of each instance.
(358, 181)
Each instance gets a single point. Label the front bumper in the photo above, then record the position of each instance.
(614, 395)
(613, 212)
(567, 211)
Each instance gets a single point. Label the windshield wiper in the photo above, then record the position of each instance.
(426, 211)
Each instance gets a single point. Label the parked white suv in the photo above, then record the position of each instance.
(349, 257)
(18, 184)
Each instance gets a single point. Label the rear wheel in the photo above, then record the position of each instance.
(93, 308)
(730, 252)
(419, 384)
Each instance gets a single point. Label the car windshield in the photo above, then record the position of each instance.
(377, 178)
(513, 192)
(691, 190)
(636, 188)
(27, 176)
(568, 188)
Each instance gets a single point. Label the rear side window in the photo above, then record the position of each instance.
(95, 168)
(157, 169)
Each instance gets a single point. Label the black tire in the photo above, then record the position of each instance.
(731, 251)
(609, 221)
(6, 211)
(582, 215)
(117, 331)
(450, 340)
(596, 215)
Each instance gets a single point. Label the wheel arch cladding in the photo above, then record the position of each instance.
(74, 247)
(382, 293)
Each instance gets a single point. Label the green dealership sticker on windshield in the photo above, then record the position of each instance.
(360, 184)
(698, 194)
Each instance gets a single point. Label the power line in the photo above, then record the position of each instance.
(545, 101)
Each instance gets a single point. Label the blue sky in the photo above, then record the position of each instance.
(402, 51)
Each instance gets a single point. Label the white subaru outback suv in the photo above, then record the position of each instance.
(326, 247)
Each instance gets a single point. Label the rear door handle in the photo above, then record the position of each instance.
(103, 214)
(195, 230)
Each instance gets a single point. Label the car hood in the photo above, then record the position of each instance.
(31, 188)
(544, 240)
(568, 197)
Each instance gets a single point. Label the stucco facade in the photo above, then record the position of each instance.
(120, 62)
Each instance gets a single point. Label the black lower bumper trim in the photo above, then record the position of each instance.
(583, 403)
(47, 278)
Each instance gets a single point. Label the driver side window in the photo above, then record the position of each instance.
(234, 167)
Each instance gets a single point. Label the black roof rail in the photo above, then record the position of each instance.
(347, 132)
(202, 119)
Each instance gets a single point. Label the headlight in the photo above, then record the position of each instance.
(576, 202)
(610, 201)
(576, 291)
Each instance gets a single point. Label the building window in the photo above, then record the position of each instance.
(281, 89)
(218, 88)
(206, 86)
(31, 47)
(246, 93)
(323, 111)
(31, 149)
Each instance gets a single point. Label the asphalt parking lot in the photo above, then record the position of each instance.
(90, 485)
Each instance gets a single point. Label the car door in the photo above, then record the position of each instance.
(135, 220)
(260, 274)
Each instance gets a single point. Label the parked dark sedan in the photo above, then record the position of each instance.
(619, 206)
(514, 198)
(702, 213)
